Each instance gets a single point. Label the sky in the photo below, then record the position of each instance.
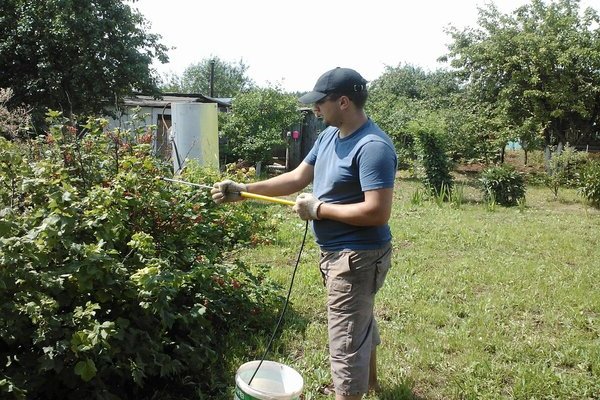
(290, 44)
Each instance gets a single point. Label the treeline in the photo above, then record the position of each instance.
(531, 76)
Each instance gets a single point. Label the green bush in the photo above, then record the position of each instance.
(257, 123)
(433, 158)
(590, 183)
(502, 185)
(564, 169)
(112, 280)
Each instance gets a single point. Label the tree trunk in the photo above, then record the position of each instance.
(560, 132)
(258, 168)
(554, 131)
(547, 152)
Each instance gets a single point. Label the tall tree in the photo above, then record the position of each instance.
(211, 76)
(75, 56)
(412, 82)
(406, 93)
(537, 68)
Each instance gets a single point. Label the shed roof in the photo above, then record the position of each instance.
(166, 99)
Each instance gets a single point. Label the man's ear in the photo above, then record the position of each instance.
(344, 102)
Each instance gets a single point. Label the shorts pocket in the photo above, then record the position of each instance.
(339, 285)
(340, 296)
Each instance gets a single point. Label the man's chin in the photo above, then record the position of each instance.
(325, 122)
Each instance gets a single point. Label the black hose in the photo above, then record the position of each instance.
(285, 304)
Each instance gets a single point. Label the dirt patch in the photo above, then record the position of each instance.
(468, 169)
(513, 158)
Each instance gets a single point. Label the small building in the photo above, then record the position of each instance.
(158, 111)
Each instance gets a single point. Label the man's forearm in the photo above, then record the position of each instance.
(358, 214)
(373, 211)
(284, 184)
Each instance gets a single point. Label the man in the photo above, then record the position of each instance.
(352, 167)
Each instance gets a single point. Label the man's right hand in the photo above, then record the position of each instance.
(227, 191)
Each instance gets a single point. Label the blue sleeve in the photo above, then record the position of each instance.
(377, 164)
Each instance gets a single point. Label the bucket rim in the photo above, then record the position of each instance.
(250, 365)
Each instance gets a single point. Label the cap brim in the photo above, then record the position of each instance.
(311, 97)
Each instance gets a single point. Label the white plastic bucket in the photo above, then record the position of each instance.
(273, 381)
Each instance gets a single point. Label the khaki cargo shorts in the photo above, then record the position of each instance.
(352, 277)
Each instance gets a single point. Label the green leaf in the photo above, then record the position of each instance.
(66, 197)
(86, 369)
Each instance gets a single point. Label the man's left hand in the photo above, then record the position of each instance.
(307, 206)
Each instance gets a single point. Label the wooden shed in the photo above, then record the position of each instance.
(302, 138)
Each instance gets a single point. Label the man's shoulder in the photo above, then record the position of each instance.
(373, 131)
(376, 142)
(327, 134)
(376, 138)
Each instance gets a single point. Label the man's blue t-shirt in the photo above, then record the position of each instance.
(344, 170)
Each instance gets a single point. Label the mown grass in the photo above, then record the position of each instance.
(482, 302)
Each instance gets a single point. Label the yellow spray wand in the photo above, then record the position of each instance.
(243, 194)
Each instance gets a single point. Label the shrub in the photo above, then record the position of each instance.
(564, 169)
(503, 185)
(590, 183)
(433, 158)
(257, 123)
(112, 280)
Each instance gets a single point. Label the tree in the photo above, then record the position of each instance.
(412, 82)
(75, 56)
(228, 79)
(405, 93)
(257, 123)
(473, 131)
(538, 68)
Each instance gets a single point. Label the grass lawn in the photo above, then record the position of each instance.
(481, 303)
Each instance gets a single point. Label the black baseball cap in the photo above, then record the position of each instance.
(337, 80)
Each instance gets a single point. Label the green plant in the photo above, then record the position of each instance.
(256, 123)
(490, 202)
(457, 196)
(522, 204)
(113, 280)
(590, 183)
(502, 184)
(442, 195)
(564, 169)
(417, 198)
(432, 156)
